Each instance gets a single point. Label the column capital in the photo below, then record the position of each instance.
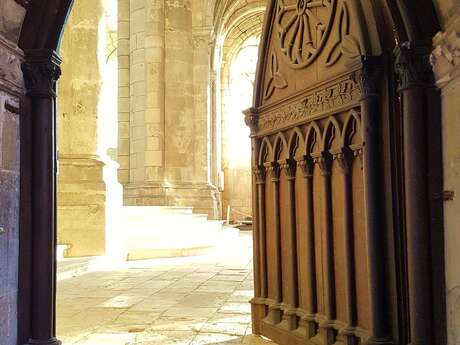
(259, 173)
(306, 166)
(41, 70)
(445, 57)
(251, 118)
(369, 77)
(289, 167)
(412, 65)
(274, 170)
(343, 158)
(323, 160)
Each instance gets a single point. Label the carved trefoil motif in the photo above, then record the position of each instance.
(276, 79)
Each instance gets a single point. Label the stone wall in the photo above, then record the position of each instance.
(11, 90)
(446, 63)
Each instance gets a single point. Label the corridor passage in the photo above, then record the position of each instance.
(183, 301)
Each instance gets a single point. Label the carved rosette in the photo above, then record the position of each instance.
(369, 77)
(303, 27)
(412, 66)
(251, 118)
(41, 71)
(289, 168)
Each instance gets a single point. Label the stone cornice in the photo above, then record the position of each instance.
(11, 57)
(445, 57)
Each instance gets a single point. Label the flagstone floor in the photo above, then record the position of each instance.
(181, 301)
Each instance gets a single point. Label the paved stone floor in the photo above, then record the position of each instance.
(181, 301)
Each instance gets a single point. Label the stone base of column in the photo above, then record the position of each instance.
(81, 203)
(204, 198)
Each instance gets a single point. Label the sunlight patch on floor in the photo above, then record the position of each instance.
(183, 301)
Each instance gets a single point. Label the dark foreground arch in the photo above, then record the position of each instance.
(405, 27)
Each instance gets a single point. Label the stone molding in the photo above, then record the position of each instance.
(11, 57)
(41, 70)
(445, 58)
(343, 93)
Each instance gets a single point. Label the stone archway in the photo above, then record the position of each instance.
(39, 39)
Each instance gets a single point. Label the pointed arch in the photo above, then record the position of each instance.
(351, 128)
(332, 133)
(296, 141)
(313, 138)
(265, 151)
(280, 145)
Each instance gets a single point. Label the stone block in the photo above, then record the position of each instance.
(153, 158)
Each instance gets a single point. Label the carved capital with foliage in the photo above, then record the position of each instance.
(274, 170)
(344, 158)
(41, 69)
(323, 160)
(306, 166)
(251, 118)
(445, 57)
(289, 168)
(412, 65)
(259, 173)
(369, 77)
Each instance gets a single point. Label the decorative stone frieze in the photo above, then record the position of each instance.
(340, 94)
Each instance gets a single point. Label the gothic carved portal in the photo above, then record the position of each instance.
(330, 264)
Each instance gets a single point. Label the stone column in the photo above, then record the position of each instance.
(446, 64)
(41, 70)
(81, 188)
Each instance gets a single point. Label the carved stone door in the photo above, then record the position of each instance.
(334, 249)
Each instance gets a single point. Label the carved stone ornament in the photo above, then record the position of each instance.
(303, 27)
(323, 161)
(332, 97)
(369, 77)
(41, 71)
(343, 158)
(346, 43)
(289, 168)
(306, 166)
(274, 170)
(259, 173)
(10, 66)
(275, 78)
(251, 118)
(445, 57)
(413, 67)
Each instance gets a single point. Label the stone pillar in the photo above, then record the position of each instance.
(41, 70)
(123, 54)
(166, 137)
(81, 188)
(446, 64)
